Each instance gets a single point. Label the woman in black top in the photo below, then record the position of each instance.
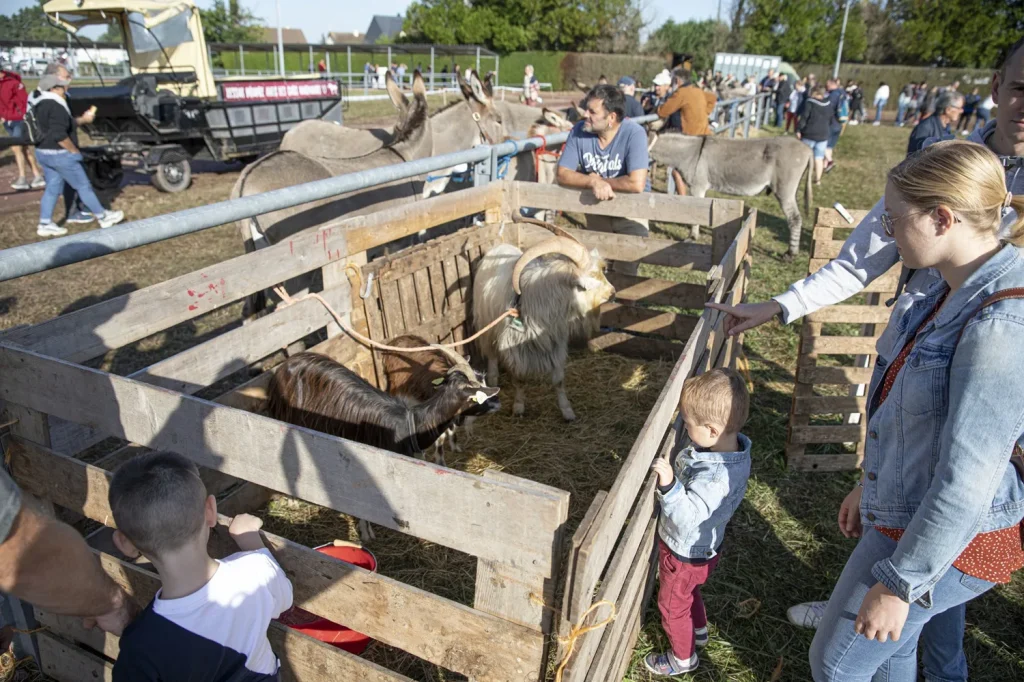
(56, 135)
(813, 127)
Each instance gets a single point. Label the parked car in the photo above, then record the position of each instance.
(32, 67)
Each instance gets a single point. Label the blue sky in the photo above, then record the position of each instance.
(315, 17)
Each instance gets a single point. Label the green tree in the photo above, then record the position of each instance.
(970, 33)
(29, 23)
(702, 39)
(804, 30)
(508, 25)
(231, 23)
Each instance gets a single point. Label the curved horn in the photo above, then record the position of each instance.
(449, 353)
(570, 248)
(517, 217)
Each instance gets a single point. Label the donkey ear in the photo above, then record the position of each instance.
(479, 91)
(419, 89)
(395, 92)
(467, 91)
(556, 119)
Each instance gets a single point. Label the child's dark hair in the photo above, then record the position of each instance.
(158, 501)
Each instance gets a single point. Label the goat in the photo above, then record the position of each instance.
(558, 287)
(416, 377)
(319, 393)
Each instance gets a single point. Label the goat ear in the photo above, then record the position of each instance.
(481, 394)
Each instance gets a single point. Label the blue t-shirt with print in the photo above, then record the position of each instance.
(626, 152)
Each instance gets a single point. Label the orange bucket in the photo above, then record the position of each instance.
(328, 631)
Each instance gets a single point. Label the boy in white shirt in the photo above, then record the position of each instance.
(208, 623)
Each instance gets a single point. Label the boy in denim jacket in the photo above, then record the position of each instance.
(698, 496)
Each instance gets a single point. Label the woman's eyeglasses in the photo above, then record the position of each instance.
(889, 223)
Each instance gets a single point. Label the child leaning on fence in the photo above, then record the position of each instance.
(209, 620)
(698, 494)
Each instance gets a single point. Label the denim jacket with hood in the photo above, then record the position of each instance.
(708, 489)
(937, 454)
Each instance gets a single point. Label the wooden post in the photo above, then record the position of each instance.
(726, 222)
(523, 595)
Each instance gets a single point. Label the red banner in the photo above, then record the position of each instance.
(275, 91)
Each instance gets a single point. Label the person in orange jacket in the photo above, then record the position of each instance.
(694, 106)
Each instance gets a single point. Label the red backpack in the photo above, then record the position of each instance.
(13, 97)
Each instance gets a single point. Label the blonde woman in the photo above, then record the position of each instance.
(939, 508)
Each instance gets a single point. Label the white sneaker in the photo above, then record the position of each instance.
(20, 184)
(877, 123)
(38, 182)
(50, 230)
(807, 614)
(111, 218)
(700, 637)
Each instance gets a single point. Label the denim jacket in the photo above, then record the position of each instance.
(936, 458)
(709, 486)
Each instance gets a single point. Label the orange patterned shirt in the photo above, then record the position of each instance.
(992, 556)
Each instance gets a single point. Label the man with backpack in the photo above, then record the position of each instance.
(13, 105)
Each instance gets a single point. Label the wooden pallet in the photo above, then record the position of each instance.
(818, 374)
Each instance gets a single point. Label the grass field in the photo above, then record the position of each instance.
(783, 545)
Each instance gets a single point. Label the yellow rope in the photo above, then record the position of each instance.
(287, 300)
(578, 630)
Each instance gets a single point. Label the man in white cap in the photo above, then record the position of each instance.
(654, 99)
(55, 133)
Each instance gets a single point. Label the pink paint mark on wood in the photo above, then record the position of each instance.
(193, 306)
(291, 247)
(191, 293)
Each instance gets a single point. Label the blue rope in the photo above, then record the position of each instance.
(453, 177)
(502, 170)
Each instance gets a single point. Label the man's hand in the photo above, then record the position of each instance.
(601, 189)
(882, 615)
(663, 468)
(88, 117)
(740, 318)
(849, 514)
(245, 531)
(116, 620)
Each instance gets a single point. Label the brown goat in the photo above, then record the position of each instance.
(416, 377)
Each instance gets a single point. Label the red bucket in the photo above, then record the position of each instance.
(322, 629)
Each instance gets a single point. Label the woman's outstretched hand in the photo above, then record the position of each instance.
(740, 318)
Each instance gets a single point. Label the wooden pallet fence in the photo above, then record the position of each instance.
(827, 381)
(514, 527)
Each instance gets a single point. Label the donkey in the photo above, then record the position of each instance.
(740, 167)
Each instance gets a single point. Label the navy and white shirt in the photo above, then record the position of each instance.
(626, 152)
(216, 634)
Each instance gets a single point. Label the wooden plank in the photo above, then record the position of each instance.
(842, 345)
(415, 258)
(826, 249)
(205, 364)
(830, 217)
(637, 319)
(465, 276)
(614, 638)
(852, 313)
(574, 546)
(669, 209)
(829, 405)
(824, 462)
(827, 434)
(424, 300)
(650, 250)
(451, 281)
(834, 375)
(651, 291)
(244, 498)
(92, 331)
(380, 607)
(437, 289)
(640, 347)
(409, 302)
(489, 519)
(66, 662)
(820, 233)
(391, 309)
(71, 629)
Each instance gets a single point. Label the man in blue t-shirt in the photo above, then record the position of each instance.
(607, 153)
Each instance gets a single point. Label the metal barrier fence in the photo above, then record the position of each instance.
(489, 164)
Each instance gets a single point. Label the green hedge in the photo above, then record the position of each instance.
(870, 75)
(547, 67)
(560, 68)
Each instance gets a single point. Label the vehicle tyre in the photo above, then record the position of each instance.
(105, 172)
(172, 175)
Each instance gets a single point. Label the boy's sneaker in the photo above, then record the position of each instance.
(21, 184)
(50, 230)
(807, 614)
(38, 182)
(700, 637)
(667, 665)
(877, 123)
(111, 218)
(80, 218)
